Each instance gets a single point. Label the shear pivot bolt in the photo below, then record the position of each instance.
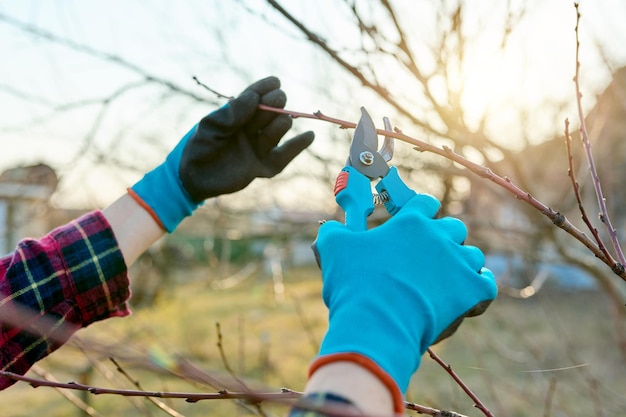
(366, 158)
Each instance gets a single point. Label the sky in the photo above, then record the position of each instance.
(52, 82)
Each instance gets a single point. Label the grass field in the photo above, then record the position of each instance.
(551, 355)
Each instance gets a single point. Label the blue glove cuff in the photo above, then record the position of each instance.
(162, 192)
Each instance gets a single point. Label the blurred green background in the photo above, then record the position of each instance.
(553, 354)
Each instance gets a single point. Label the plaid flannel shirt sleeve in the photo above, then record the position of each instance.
(51, 287)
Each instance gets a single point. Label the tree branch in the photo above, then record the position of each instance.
(556, 217)
(604, 214)
(115, 59)
(353, 70)
(477, 403)
(576, 187)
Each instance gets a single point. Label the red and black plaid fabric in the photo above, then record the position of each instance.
(50, 287)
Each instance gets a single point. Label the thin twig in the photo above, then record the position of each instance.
(286, 396)
(318, 115)
(576, 186)
(595, 397)
(487, 377)
(547, 408)
(108, 57)
(604, 214)
(96, 364)
(244, 386)
(80, 404)
(282, 396)
(477, 402)
(420, 409)
(167, 409)
(306, 325)
(227, 366)
(218, 94)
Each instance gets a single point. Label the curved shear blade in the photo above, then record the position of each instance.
(363, 151)
(365, 132)
(386, 151)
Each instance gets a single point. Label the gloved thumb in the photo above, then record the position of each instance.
(324, 234)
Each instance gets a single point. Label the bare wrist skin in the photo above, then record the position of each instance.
(354, 383)
(134, 228)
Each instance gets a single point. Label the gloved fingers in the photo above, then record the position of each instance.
(479, 308)
(425, 204)
(279, 157)
(476, 310)
(275, 98)
(271, 135)
(453, 227)
(233, 114)
(243, 109)
(483, 283)
(240, 110)
(450, 330)
(484, 289)
(473, 257)
(262, 118)
(489, 284)
(264, 85)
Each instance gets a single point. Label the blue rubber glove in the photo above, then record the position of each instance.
(394, 290)
(222, 154)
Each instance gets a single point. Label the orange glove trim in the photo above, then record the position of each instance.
(146, 207)
(370, 365)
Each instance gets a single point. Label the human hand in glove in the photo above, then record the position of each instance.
(222, 154)
(394, 290)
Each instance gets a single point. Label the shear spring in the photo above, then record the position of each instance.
(380, 199)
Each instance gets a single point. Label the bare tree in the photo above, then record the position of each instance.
(409, 62)
(420, 81)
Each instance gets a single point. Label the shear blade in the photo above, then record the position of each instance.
(386, 151)
(366, 131)
(365, 140)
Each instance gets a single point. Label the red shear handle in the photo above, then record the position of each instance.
(353, 193)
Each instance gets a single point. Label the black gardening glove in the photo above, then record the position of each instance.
(222, 154)
(238, 143)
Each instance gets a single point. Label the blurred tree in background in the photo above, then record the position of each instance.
(102, 103)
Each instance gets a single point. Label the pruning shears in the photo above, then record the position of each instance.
(353, 191)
